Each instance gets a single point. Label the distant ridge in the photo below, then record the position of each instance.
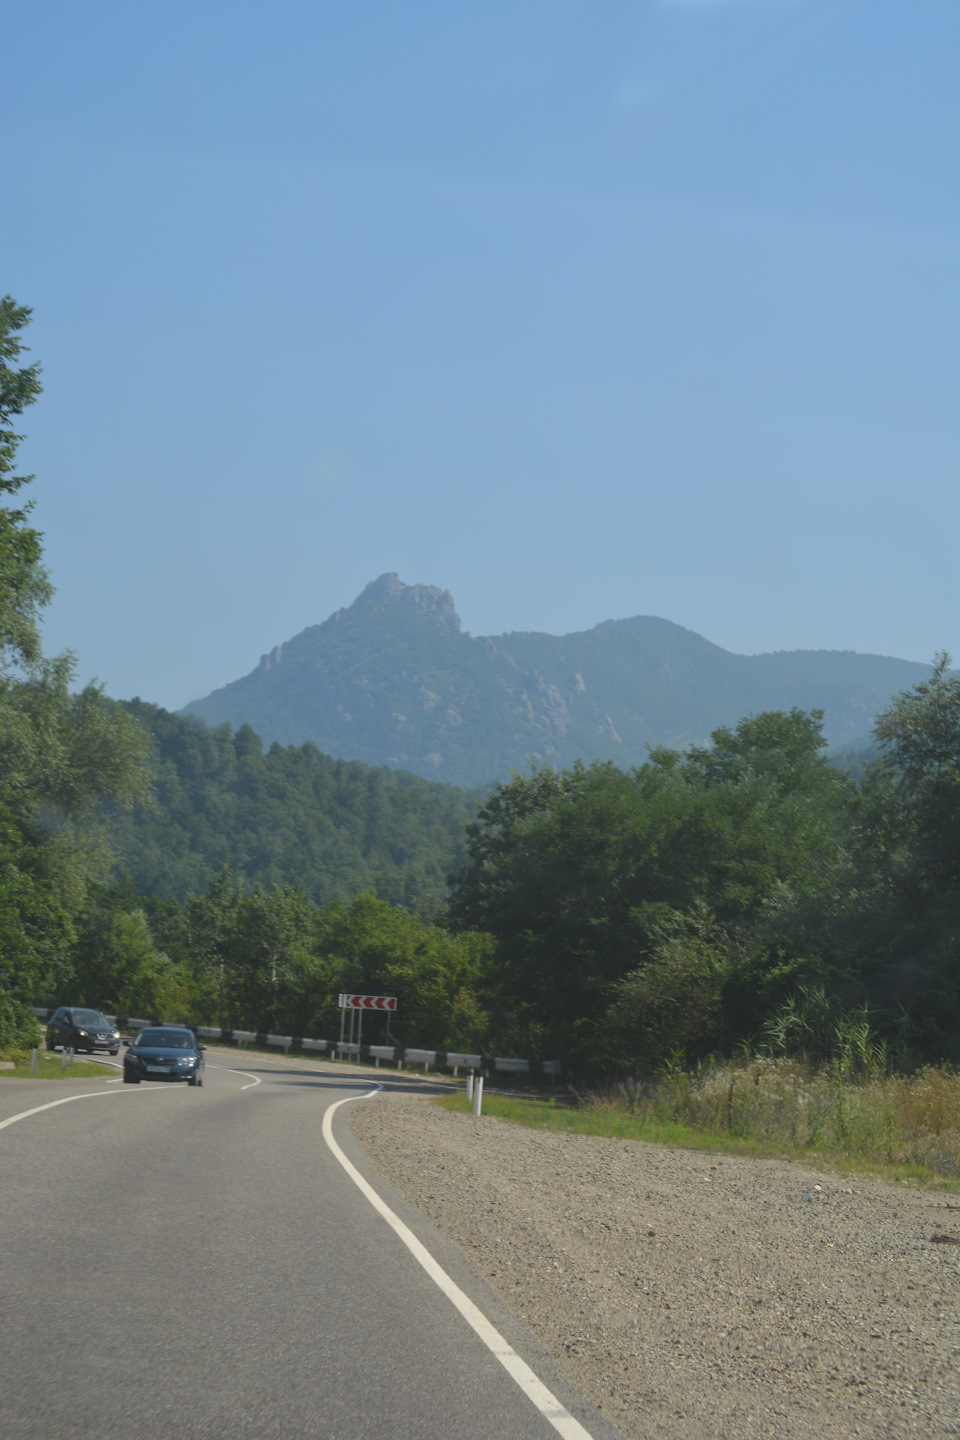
(393, 680)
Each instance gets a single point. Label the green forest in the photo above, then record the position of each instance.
(292, 816)
(746, 896)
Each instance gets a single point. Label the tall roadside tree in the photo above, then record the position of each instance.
(24, 585)
(671, 874)
(919, 738)
(60, 752)
(912, 844)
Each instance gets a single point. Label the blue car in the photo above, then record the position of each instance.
(164, 1052)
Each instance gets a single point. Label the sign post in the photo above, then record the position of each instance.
(357, 1004)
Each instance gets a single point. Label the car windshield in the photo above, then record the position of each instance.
(88, 1017)
(164, 1040)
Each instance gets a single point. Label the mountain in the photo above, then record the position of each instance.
(333, 827)
(393, 680)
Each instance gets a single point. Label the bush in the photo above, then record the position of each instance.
(19, 1028)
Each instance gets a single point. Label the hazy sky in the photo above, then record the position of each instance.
(579, 310)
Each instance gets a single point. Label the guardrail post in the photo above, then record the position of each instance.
(63, 1058)
(478, 1095)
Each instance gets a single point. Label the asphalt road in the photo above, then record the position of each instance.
(197, 1262)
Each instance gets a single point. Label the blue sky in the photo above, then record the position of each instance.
(579, 310)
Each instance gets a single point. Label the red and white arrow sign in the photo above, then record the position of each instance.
(368, 1002)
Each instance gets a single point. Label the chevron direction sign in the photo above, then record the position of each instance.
(368, 1002)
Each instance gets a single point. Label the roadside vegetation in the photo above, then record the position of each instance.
(904, 1127)
(50, 1067)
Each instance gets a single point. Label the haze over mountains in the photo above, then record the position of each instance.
(394, 680)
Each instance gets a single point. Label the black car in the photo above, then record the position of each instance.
(164, 1052)
(82, 1030)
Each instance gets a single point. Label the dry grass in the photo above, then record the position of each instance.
(901, 1126)
(902, 1121)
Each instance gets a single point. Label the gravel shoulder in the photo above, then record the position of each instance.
(697, 1296)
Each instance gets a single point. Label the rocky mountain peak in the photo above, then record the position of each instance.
(389, 590)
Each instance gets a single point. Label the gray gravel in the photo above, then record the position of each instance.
(695, 1295)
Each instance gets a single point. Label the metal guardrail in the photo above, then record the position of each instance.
(399, 1054)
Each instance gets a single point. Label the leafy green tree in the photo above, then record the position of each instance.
(211, 922)
(919, 738)
(577, 874)
(275, 970)
(672, 1003)
(919, 731)
(905, 930)
(59, 752)
(375, 948)
(36, 931)
(119, 967)
(24, 586)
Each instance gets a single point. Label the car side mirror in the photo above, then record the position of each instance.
(201, 1047)
(124, 1042)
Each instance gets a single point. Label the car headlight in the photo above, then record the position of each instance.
(82, 1034)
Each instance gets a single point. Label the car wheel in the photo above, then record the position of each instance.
(192, 1080)
(130, 1079)
(114, 1052)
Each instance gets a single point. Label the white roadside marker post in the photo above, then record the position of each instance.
(469, 1084)
(33, 1061)
(477, 1096)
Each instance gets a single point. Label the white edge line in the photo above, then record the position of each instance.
(254, 1079)
(52, 1104)
(545, 1401)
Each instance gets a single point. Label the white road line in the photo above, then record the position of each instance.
(254, 1079)
(546, 1402)
(52, 1105)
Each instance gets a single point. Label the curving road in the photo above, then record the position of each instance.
(198, 1263)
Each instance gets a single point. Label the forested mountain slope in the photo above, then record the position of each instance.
(393, 680)
(292, 815)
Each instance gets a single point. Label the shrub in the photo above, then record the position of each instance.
(19, 1028)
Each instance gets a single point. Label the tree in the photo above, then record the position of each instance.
(60, 753)
(919, 732)
(24, 585)
(584, 876)
(919, 738)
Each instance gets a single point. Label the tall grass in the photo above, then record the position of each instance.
(900, 1125)
(788, 1104)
